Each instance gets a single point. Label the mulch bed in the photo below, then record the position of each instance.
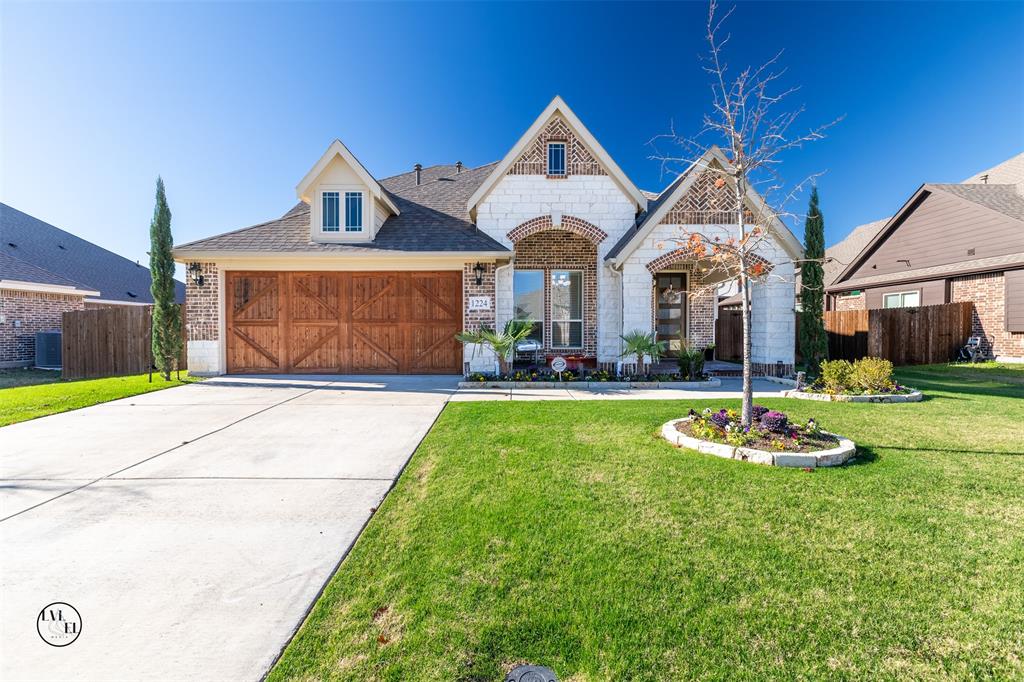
(807, 442)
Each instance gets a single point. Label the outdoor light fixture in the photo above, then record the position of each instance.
(195, 271)
(479, 270)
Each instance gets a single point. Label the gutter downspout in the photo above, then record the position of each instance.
(617, 272)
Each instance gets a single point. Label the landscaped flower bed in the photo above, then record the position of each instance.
(772, 438)
(591, 379)
(868, 380)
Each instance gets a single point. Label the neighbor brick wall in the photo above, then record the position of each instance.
(988, 293)
(858, 302)
(36, 312)
(201, 305)
(561, 250)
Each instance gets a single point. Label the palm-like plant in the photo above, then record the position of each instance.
(642, 345)
(503, 344)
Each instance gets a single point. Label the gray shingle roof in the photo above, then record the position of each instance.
(15, 269)
(1009, 172)
(434, 217)
(1001, 198)
(838, 256)
(50, 248)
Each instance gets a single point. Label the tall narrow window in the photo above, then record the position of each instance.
(556, 158)
(353, 211)
(331, 212)
(528, 299)
(566, 309)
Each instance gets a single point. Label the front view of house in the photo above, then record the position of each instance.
(377, 276)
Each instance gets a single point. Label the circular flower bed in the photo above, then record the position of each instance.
(772, 438)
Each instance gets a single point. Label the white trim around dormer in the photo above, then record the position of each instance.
(557, 106)
(336, 148)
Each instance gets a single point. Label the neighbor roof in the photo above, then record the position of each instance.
(40, 244)
(433, 217)
(1009, 172)
(1001, 198)
(838, 256)
(16, 270)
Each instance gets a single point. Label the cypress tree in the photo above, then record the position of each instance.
(813, 340)
(166, 315)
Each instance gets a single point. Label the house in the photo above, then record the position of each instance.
(370, 275)
(45, 272)
(947, 243)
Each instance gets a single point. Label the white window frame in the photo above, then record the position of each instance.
(354, 229)
(565, 158)
(332, 229)
(551, 308)
(902, 302)
(342, 232)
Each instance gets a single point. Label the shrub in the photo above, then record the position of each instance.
(691, 362)
(773, 421)
(835, 375)
(872, 375)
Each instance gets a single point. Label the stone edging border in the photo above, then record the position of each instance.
(822, 458)
(913, 397)
(710, 383)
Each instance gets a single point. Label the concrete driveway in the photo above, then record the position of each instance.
(193, 527)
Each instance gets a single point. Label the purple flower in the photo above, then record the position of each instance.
(720, 419)
(774, 421)
(758, 411)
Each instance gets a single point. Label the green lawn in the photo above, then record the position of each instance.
(568, 534)
(23, 402)
(25, 376)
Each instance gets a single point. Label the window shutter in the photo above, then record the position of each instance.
(1013, 301)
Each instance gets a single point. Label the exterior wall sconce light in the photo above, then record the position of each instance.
(478, 271)
(195, 271)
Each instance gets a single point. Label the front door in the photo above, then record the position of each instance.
(670, 310)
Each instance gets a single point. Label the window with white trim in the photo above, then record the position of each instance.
(353, 211)
(556, 158)
(528, 300)
(331, 211)
(902, 299)
(566, 309)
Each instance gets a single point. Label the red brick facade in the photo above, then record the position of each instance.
(563, 250)
(569, 223)
(25, 313)
(202, 305)
(578, 159)
(988, 293)
(474, 319)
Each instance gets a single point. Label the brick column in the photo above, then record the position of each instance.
(202, 321)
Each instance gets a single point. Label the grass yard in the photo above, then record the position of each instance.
(568, 534)
(25, 376)
(25, 402)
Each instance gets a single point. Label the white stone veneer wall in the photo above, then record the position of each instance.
(773, 319)
(594, 198)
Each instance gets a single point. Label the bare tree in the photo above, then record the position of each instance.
(745, 121)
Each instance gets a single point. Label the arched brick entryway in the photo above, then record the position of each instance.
(578, 226)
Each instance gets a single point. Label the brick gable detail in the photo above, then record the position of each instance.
(578, 159)
(710, 200)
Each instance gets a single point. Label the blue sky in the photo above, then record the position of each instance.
(233, 103)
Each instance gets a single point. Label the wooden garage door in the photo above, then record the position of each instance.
(344, 322)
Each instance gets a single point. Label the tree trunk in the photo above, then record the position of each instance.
(747, 411)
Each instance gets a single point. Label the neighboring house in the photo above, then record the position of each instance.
(45, 272)
(948, 243)
(367, 275)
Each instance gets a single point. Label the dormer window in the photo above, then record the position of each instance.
(342, 209)
(353, 211)
(556, 159)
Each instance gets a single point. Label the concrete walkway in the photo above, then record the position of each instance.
(192, 528)
(730, 388)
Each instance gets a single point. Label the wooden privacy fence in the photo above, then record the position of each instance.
(107, 342)
(905, 336)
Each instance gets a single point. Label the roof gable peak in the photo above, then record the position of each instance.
(338, 149)
(558, 107)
